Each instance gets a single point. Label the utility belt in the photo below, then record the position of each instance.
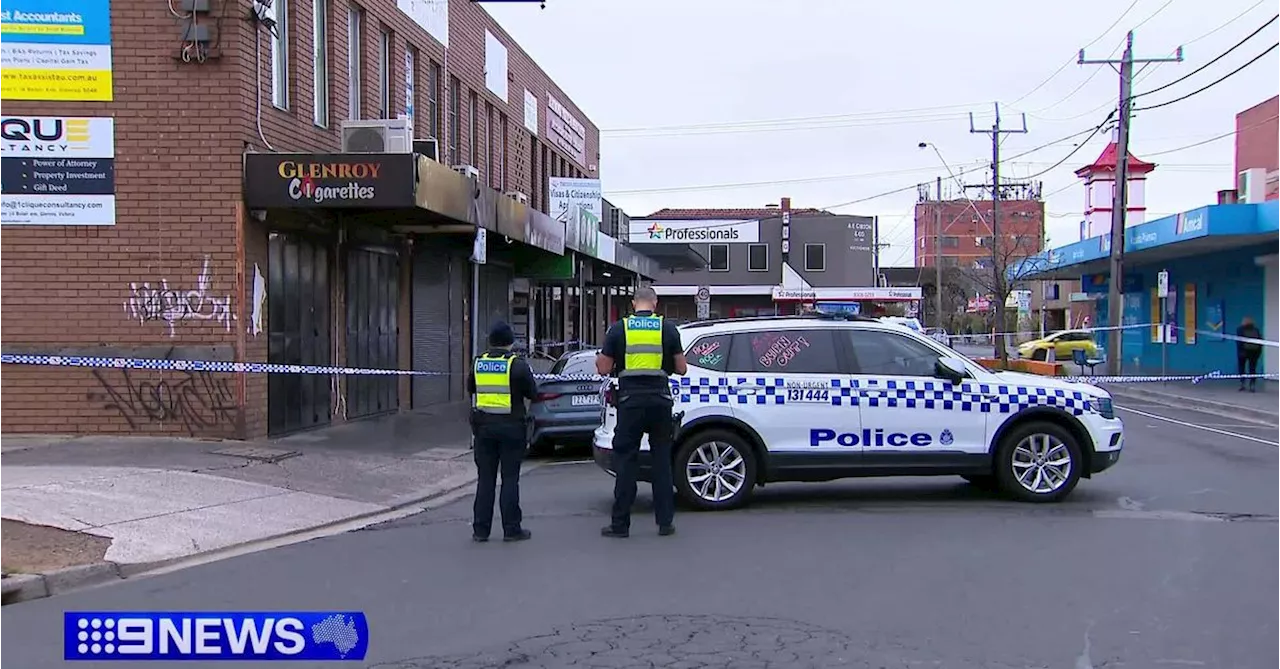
(483, 419)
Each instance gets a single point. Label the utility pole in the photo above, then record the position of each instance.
(1115, 294)
(937, 256)
(997, 267)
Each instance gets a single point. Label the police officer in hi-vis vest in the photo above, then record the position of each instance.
(500, 383)
(642, 350)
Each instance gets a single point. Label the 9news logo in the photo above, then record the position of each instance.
(210, 635)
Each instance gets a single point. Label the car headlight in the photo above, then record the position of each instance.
(1101, 406)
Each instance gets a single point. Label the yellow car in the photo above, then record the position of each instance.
(1062, 343)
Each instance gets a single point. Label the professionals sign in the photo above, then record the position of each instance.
(341, 180)
(56, 50)
(694, 232)
(57, 170)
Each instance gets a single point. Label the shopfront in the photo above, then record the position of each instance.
(1220, 261)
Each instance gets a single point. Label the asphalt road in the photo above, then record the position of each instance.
(1166, 561)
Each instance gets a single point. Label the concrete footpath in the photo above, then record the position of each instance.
(87, 509)
(1215, 396)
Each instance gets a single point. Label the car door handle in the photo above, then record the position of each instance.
(747, 390)
(871, 393)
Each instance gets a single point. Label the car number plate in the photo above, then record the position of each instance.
(585, 400)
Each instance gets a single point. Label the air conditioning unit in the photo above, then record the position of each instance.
(429, 147)
(389, 135)
(1251, 186)
(518, 197)
(468, 171)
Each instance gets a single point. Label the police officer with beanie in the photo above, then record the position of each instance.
(500, 383)
(642, 350)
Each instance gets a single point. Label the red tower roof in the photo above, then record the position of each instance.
(1107, 163)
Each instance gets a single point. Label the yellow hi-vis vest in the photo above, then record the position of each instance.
(493, 384)
(644, 346)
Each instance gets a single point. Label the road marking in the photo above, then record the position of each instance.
(1199, 427)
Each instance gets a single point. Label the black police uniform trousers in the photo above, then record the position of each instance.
(640, 414)
(499, 447)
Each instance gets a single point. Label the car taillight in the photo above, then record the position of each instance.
(546, 397)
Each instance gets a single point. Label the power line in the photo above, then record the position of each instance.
(852, 123)
(1212, 139)
(962, 172)
(1237, 17)
(1211, 84)
(1072, 60)
(793, 119)
(1219, 57)
(748, 184)
(1076, 150)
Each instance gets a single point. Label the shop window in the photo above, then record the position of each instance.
(757, 257)
(718, 258)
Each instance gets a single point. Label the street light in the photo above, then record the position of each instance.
(937, 242)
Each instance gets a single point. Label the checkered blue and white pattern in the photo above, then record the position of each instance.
(232, 367)
(891, 393)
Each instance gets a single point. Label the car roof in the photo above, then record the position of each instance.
(797, 322)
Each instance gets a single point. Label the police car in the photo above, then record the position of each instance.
(825, 397)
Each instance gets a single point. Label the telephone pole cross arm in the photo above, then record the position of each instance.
(1115, 308)
(1000, 283)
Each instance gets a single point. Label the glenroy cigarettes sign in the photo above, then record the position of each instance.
(358, 180)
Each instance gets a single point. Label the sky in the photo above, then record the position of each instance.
(711, 103)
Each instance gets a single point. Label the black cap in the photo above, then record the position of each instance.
(501, 334)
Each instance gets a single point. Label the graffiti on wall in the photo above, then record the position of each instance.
(158, 302)
(196, 401)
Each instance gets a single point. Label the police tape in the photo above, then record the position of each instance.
(1194, 379)
(1036, 333)
(160, 364)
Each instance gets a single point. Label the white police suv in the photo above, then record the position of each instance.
(824, 397)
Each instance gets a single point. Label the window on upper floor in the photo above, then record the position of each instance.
(433, 100)
(718, 258)
(280, 54)
(384, 74)
(355, 66)
(320, 62)
(455, 100)
(815, 257)
(757, 257)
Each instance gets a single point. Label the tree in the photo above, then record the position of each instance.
(1002, 271)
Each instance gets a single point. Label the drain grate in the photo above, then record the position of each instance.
(260, 453)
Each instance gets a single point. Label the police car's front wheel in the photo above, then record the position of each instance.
(1038, 461)
(715, 470)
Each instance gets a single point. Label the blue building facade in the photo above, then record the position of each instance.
(1221, 261)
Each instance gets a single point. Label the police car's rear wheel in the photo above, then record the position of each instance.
(715, 470)
(1038, 462)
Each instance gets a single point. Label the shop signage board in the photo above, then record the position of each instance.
(325, 181)
(694, 232)
(56, 50)
(577, 202)
(58, 170)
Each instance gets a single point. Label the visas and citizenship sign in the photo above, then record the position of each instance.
(56, 50)
(207, 636)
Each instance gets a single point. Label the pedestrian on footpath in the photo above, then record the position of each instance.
(642, 350)
(500, 383)
(1248, 352)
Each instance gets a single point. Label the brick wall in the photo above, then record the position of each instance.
(1257, 136)
(1022, 219)
(180, 131)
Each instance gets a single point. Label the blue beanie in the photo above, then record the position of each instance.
(501, 334)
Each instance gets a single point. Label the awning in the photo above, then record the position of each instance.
(1207, 229)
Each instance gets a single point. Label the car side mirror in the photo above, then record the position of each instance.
(951, 368)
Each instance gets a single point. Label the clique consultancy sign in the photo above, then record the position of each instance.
(694, 232)
(360, 180)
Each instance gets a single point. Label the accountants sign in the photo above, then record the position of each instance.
(343, 180)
